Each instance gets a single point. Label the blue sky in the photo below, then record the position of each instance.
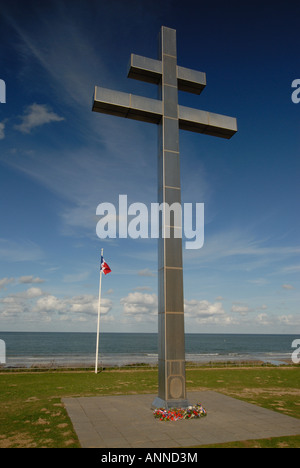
(59, 160)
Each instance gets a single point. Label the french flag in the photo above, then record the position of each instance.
(104, 267)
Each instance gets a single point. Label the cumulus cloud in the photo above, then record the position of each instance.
(30, 279)
(263, 319)
(289, 320)
(5, 281)
(34, 292)
(86, 304)
(144, 307)
(244, 309)
(206, 312)
(240, 308)
(14, 305)
(140, 305)
(287, 286)
(146, 272)
(36, 115)
(2, 133)
(35, 305)
(49, 303)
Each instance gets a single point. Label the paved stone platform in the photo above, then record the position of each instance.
(127, 421)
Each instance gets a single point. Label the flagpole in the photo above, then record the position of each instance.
(98, 323)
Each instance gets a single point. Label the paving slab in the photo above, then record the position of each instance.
(127, 421)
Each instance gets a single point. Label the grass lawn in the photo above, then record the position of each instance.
(32, 415)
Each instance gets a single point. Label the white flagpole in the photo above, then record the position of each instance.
(98, 324)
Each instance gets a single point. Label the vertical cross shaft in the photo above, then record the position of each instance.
(171, 358)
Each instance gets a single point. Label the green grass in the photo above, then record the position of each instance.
(31, 412)
(32, 415)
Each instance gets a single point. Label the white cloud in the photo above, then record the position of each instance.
(244, 309)
(34, 292)
(18, 306)
(11, 307)
(202, 309)
(86, 304)
(287, 286)
(264, 319)
(2, 133)
(206, 312)
(49, 304)
(146, 272)
(140, 305)
(5, 281)
(144, 306)
(36, 115)
(289, 320)
(35, 305)
(30, 279)
(240, 308)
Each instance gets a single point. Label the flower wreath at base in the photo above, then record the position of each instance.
(174, 414)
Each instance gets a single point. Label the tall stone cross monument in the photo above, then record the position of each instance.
(170, 117)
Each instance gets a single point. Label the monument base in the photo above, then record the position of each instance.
(169, 404)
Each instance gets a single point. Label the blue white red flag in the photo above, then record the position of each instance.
(104, 267)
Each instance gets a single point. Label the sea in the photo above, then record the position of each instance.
(43, 349)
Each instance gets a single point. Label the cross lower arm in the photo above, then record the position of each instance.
(127, 105)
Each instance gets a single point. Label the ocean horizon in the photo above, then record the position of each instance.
(55, 349)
